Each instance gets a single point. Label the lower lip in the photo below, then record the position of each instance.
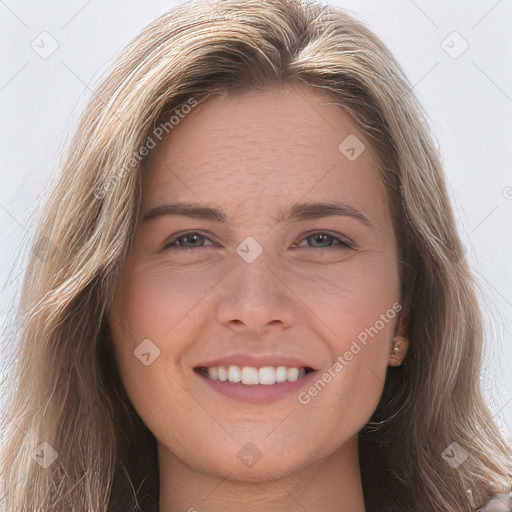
(259, 393)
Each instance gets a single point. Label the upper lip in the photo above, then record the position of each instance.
(258, 361)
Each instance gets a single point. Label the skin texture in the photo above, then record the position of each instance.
(251, 155)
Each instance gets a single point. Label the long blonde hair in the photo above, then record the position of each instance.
(65, 389)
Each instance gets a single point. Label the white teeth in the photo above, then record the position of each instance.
(222, 372)
(281, 374)
(251, 376)
(267, 375)
(234, 374)
(292, 374)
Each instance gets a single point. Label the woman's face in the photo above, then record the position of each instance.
(265, 241)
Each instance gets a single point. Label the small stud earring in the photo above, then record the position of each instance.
(396, 359)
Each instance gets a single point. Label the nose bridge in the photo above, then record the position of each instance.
(255, 295)
(256, 277)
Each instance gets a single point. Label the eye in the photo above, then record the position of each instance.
(194, 240)
(189, 240)
(322, 239)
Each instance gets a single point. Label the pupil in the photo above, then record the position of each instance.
(322, 239)
(190, 239)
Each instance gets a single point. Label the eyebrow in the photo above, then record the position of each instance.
(297, 212)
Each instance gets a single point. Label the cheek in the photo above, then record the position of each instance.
(155, 303)
(356, 309)
(150, 308)
(156, 313)
(357, 312)
(352, 299)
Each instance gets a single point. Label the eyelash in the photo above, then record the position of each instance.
(343, 243)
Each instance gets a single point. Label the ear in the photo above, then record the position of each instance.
(398, 350)
(400, 344)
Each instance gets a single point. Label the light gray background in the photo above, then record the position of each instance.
(468, 100)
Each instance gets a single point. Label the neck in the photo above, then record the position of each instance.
(331, 485)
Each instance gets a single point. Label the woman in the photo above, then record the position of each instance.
(254, 295)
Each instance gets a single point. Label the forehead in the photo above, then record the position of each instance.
(270, 148)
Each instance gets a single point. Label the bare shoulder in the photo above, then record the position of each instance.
(499, 503)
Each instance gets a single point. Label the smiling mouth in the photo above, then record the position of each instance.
(252, 376)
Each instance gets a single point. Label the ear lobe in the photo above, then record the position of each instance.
(400, 343)
(398, 350)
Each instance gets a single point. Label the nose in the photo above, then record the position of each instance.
(255, 298)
